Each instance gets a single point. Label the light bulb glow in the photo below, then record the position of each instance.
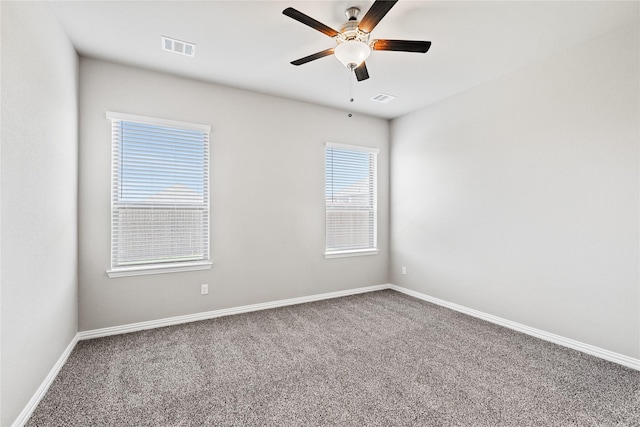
(352, 53)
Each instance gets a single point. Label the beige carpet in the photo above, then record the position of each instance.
(377, 359)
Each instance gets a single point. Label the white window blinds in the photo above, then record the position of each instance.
(160, 192)
(351, 200)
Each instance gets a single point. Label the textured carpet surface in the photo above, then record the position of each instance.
(381, 358)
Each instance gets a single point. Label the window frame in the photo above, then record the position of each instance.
(350, 252)
(157, 267)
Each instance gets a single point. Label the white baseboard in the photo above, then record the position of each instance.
(42, 390)
(621, 359)
(133, 327)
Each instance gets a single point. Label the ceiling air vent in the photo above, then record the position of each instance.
(178, 46)
(383, 98)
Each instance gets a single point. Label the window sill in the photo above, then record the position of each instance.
(343, 254)
(142, 270)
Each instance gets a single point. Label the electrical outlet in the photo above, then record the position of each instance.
(404, 270)
(204, 289)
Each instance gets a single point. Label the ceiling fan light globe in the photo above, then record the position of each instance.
(352, 53)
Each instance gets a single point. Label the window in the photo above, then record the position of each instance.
(159, 196)
(351, 200)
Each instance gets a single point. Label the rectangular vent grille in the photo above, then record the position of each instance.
(178, 46)
(383, 98)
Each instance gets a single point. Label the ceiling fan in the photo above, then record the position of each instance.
(353, 44)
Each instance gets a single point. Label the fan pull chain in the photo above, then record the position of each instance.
(350, 88)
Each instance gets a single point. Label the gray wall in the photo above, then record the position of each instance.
(520, 198)
(267, 197)
(39, 200)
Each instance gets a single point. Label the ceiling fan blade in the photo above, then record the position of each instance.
(361, 72)
(313, 57)
(307, 20)
(401, 45)
(375, 14)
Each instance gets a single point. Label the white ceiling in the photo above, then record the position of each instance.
(249, 44)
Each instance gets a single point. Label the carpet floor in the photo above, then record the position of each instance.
(375, 359)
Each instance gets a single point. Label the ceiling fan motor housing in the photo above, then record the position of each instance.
(350, 31)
